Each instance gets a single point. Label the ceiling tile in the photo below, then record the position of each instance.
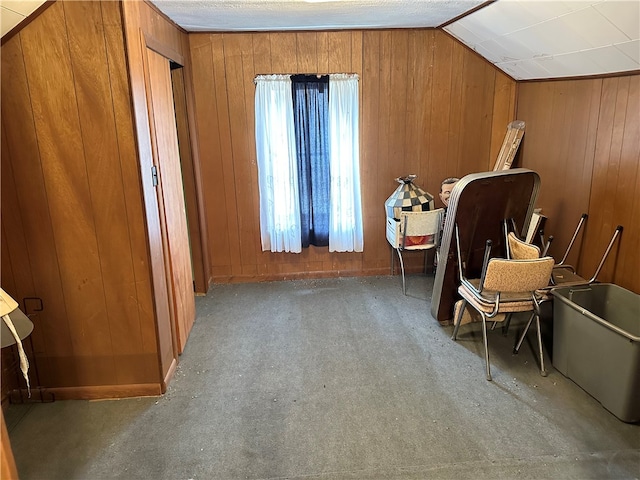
(611, 59)
(460, 31)
(548, 38)
(535, 68)
(495, 51)
(524, 69)
(625, 15)
(631, 49)
(9, 19)
(541, 11)
(572, 64)
(591, 28)
(515, 47)
(497, 19)
(24, 7)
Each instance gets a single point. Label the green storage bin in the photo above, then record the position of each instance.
(596, 343)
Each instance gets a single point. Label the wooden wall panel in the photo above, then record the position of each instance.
(582, 137)
(142, 301)
(369, 145)
(503, 112)
(68, 154)
(189, 178)
(207, 116)
(427, 107)
(614, 186)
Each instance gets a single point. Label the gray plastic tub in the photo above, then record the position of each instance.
(596, 343)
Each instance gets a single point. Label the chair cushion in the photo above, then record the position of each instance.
(485, 301)
(471, 315)
(521, 250)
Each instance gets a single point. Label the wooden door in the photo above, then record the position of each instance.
(170, 192)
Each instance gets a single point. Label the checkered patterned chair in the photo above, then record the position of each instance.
(418, 231)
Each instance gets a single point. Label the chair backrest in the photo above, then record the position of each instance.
(420, 229)
(518, 275)
(521, 250)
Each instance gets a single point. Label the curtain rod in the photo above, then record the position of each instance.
(282, 76)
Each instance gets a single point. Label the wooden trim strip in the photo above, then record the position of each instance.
(103, 392)
(162, 48)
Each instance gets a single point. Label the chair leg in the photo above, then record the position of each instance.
(516, 349)
(458, 320)
(505, 325)
(486, 345)
(543, 372)
(404, 288)
(392, 260)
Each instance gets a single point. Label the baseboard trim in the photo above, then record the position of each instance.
(220, 279)
(104, 392)
(169, 376)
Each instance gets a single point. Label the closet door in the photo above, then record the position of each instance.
(170, 193)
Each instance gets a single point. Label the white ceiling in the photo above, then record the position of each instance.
(262, 15)
(527, 39)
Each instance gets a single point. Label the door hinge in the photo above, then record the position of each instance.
(154, 175)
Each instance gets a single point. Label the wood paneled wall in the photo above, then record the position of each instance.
(73, 229)
(583, 138)
(428, 106)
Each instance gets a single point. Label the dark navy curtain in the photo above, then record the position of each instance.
(311, 119)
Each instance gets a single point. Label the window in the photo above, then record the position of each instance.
(284, 166)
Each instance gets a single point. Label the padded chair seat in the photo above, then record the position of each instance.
(509, 301)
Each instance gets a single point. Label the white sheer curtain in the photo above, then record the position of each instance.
(277, 166)
(345, 224)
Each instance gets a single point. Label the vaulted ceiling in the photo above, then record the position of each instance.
(527, 39)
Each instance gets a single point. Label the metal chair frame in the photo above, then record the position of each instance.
(493, 293)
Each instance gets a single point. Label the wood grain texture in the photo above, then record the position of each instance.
(73, 231)
(199, 244)
(582, 137)
(173, 213)
(200, 278)
(426, 107)
(131, 181)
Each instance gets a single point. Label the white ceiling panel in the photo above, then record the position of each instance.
(631, 50)
(572, 64)
(13, 12)
(566, 39)
(538, 11)
(532, 68)
(548, 38)
(9, 19)
(461, 31)
(513, 46)
(627, 19)
(489, 24)
(611, 59)
(590, 27)
(494, 52)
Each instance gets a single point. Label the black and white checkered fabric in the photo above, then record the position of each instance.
(408, 197)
